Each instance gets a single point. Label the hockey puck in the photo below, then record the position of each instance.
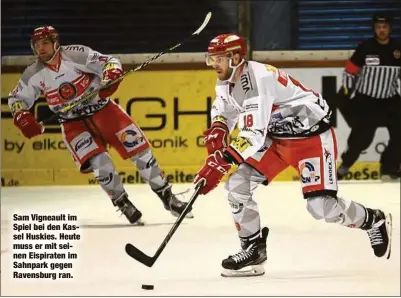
(148, 287)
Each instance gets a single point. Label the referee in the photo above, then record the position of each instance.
(372, 74)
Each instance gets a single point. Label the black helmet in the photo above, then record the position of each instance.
(381, 18)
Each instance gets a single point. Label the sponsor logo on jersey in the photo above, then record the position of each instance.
(329, 161)
(290, 126)
(241, 143)
(251, 107)
(264, 148)
(276, 117)
(75, 48)
(310, 171)
(82, 144)
(236, 207)
(130, 139)
(91, 108)
(372, 60)
(94, 57)
(105, 180)
(59, 76)
(246, 82)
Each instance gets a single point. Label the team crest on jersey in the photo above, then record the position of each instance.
(397, 54)
(67, 91)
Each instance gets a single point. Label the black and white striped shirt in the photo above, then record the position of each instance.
(374, 70)
(379, 81)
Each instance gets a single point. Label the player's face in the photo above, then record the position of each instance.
(220, 63)
(44, 49)
(382, 30)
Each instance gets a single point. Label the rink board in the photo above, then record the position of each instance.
(129, 175)
(172, 116)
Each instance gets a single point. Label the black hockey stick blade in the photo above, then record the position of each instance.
(140, 256)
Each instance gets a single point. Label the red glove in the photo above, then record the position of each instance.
(110, 73)
(212, 172)
(216, 137)
(27, 123)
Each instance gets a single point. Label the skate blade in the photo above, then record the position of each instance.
(388, 178)
(139, 223)
(389, 228)
(254, 270)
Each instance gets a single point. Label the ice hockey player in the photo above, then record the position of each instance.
(64, 74)
(281, 123)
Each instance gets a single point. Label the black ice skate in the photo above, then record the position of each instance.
(171, 202)
(390, 176)
(342, 172)
(249, 261)
(379, 232)
(128, 209)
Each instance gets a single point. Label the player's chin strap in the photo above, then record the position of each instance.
(56, 50)
(234, 68)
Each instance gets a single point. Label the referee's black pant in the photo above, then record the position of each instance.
(367, 114)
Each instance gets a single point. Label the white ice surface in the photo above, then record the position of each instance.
(305, 257)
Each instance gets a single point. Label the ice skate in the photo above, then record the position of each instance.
(394, 176)
(380, 234)
(171, 202)
(249, 261)
(128, 209)
(342, 172)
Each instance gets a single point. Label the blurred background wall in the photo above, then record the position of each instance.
(120, 26)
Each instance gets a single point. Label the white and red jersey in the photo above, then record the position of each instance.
(267, 103)
(80, 72)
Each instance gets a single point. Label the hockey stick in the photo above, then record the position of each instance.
(94, 92)
(138, 255)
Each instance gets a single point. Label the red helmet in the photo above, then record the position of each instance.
(226, 43)
(43, 33)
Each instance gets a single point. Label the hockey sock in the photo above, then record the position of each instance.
(150, 171)
(337, 210)
(106, 175)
